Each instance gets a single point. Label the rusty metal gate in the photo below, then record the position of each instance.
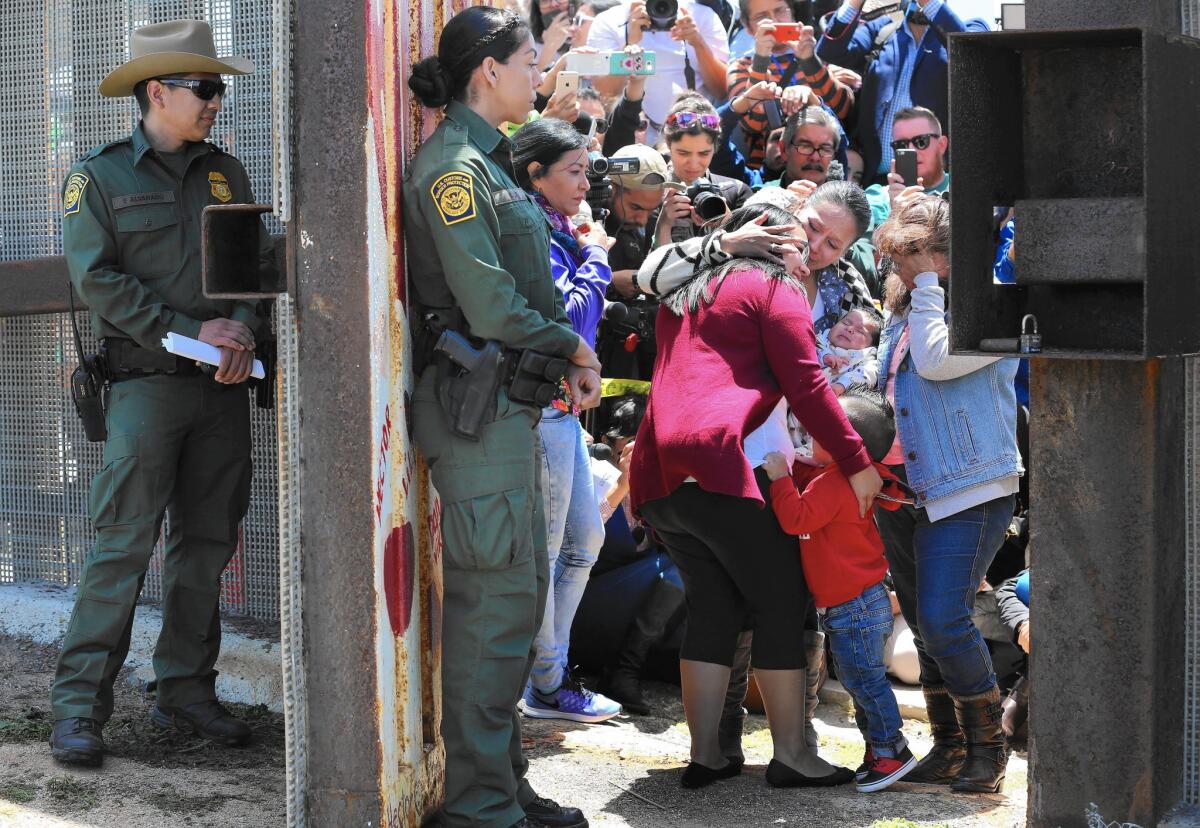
(56, 52)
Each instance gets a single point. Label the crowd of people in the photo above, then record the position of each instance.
(752, 459)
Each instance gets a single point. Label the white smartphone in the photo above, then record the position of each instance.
(568, 81)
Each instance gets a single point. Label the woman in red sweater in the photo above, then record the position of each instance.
(735, 349)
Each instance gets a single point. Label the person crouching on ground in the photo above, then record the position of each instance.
(844, 565)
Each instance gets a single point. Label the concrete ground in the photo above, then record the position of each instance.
(623, 773)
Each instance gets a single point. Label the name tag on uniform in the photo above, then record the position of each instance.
(138, 199)
(509, 196)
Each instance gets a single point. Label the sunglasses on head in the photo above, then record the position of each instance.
(919, 141)
(205, 90)
(687, 120)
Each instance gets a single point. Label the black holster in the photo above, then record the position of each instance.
(468, 395)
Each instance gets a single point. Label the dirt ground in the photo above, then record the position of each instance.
(150, 777)
(624, 773)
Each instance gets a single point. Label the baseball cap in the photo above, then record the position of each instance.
(652, 172)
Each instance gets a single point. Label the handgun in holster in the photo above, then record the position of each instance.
(467, 383)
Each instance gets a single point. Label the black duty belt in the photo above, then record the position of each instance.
(124, 359)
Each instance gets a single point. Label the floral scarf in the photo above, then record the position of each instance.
(560, 229)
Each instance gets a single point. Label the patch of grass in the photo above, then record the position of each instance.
(901, 822)
(71, 794)
(31, 727)
(17, 792)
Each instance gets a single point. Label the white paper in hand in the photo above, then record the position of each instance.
(194, 349)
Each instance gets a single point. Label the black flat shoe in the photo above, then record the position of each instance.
(780, 775)
(696, 775)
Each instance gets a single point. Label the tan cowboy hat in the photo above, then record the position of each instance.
(173, 48)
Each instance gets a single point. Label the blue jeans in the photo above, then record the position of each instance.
(858, 631)
(936, 571)
(574, 535)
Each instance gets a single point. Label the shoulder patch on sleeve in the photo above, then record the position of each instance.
(454, 196)
(73, 193)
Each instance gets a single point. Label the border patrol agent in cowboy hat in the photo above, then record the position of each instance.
(178, 438)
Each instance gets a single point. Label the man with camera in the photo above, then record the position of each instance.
(909, 69)
(625, 345)
(689, 43)
(784, 55)
(917, 131)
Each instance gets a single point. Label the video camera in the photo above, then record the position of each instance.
(600, 194)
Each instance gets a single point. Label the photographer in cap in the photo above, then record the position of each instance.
(176, 435)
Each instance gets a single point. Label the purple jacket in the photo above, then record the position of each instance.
(582, 286)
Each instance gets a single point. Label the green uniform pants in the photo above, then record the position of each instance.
(173, 442)
(495, 576)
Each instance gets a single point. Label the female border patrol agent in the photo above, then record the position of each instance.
(131, 234)
(479, 267)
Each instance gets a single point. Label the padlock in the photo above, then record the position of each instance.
(1029, 342)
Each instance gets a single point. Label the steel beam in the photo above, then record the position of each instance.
(1156, 15)
(1109, 541)
(34, 286)
(329, 119)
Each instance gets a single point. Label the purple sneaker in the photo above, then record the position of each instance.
(570, 701)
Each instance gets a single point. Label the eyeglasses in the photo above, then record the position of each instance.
(919, 141)
(582, 18)
(809, 148)
(205, 90)
(687, 120)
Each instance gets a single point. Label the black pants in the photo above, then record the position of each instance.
(739, 568)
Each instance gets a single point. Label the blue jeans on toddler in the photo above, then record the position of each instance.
(858, 631)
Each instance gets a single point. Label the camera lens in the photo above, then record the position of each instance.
(709, 206)
(597, 164)
(662, 13)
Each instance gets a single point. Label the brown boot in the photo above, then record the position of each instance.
(987, 753)
(949, 751)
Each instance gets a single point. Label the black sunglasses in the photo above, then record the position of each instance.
(205, 90)
(919, 141)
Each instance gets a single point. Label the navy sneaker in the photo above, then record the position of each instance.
(571, 701)
(885, 770)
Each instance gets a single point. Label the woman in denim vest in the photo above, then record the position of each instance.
(956, 442)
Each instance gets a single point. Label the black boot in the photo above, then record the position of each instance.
(987, 752)
(733, 717)
(77, 742)
(949, 750)
(649, 625)
(207, 719)
(814, 645)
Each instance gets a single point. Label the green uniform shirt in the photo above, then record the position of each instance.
(477, 242)
(131, 235)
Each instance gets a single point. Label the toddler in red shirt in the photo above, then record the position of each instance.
(843, 561)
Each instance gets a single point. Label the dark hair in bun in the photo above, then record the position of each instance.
(472, 35)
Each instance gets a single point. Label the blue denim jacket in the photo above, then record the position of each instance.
(957, 433)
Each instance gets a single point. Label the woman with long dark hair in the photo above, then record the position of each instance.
(550, 158)
(735, 347)
(479, 268)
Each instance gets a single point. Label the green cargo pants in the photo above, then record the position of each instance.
(173, 442)
(495, 576)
